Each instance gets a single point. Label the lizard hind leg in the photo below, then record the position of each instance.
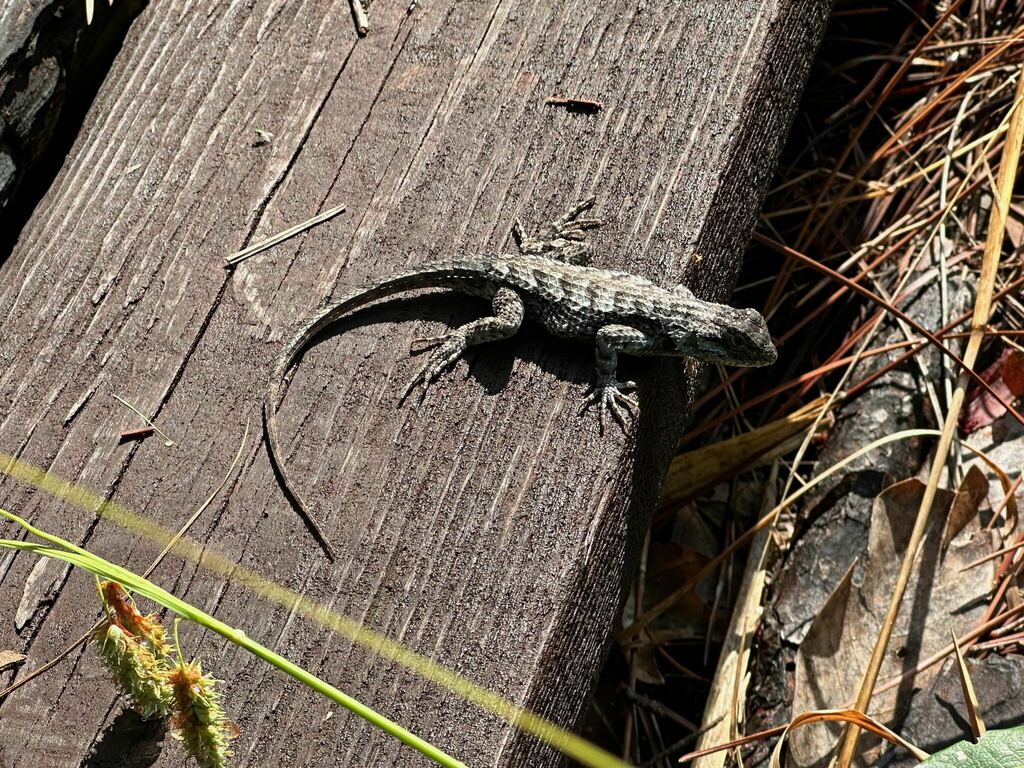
(565, 237)
(449, 347)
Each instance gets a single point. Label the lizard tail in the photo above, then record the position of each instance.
(436, 275)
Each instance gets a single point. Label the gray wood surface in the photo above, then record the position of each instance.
(491, 528)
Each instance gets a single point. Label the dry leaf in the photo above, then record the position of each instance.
(696, 471)
(969, 496)
(832, 658)
(981, 408)
(1013, 373)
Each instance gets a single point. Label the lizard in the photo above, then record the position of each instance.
(550, 281)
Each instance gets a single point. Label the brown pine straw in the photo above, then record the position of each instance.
(965, 640)
(812, 376)
(977, 332)
(805, 236)
(982, 313)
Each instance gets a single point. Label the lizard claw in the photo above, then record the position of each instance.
(422, 345)
(608, 395)
(449, 348)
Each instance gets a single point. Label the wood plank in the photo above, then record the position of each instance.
(491, 528)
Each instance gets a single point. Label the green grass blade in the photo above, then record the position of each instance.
(132, 581)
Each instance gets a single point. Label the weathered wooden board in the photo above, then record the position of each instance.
(491, 528)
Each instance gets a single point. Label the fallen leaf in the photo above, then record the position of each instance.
(982, 408)
(694, 472)
(645, 665)
(1013, 373)
(969, 496)
(996, 749)
(832, 657)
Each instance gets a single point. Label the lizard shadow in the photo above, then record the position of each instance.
(490, 364)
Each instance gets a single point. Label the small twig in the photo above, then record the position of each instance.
(683, 742)
(136, 434)
(657, 708)
(362, 22)
(273, 240)
(575, 105)
(167, 441)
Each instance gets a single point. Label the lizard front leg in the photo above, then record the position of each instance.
(607, 391)
(508, 316)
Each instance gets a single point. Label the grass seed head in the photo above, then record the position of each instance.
(198, 720)
(146, 628)
(136, 670)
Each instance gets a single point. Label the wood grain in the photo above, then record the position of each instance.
(491, 528)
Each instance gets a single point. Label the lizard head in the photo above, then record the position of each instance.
(726, 335)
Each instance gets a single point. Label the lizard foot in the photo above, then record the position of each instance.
(608, 395)
(564, 237)
(449, 348)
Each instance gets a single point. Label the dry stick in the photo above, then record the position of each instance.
(152, 567)
(362, 22)
(896, 312)
(982, 312)
(252, 250)
(136, 434)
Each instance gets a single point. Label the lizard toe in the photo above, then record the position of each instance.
(427, 342)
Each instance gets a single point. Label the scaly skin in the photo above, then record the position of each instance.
(549, 282)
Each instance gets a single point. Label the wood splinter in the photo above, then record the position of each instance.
(359, 12)
(575, 105)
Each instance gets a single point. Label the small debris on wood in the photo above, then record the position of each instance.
(10, 659)
(584, 106)
(132, 169)
(262, 138)
(78, 406)
(136, 434)
(168, 443)
(359, 14)
(273, 240)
